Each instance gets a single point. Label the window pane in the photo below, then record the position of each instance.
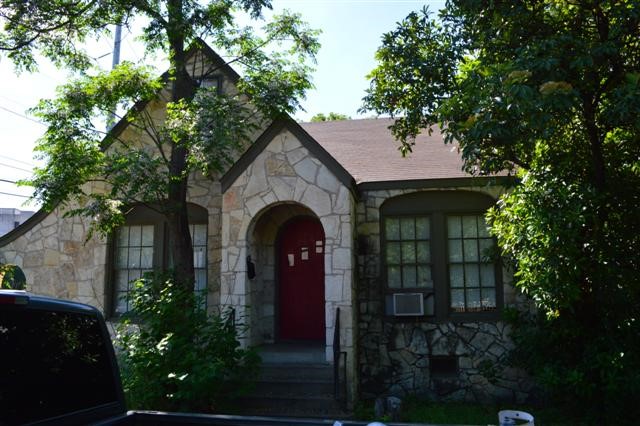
(471, 250)
(147, 236)
(135, 235)
(453, 227)
(199, 235)
(122, 257)
(469, 227)
(455, 250)
(487, 275)
(392, 229)
(486, 250)
(456, 276)
(408, 252)
(147, 258)
(134, 257)
(424, 253)
(483, 228)
(408, 276)
(422, 228)
(201, 279)
(471, 275)
(134, 274)
(424, 276)
(393, 276)
(407, 231)
(123, 236)
(488, 298)
(457, 300)
(199, 257)
(122, 281)
(473, 299)
(393, 253)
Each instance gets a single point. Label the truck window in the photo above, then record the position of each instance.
(52, 363)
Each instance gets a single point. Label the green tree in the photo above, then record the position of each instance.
(549, 90)
(332, 116)
(98, 175)
(177, 361)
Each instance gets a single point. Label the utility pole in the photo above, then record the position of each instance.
(116, 60)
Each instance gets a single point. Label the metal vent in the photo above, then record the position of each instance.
(406, 304)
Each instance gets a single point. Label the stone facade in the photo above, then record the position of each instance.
(284, 181)
(395, 355)
(58, 262)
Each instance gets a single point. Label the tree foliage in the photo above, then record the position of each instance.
(548, 90)
(176, 362)
(98, 175)
(332, 116)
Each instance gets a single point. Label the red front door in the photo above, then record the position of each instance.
(301, 279)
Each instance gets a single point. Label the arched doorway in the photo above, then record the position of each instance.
(300, 260)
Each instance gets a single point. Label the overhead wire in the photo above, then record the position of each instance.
(15, 195)
(16, 160)
(15, 167)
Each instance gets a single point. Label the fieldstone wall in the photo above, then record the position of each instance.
(285, 173)
(395, 356)
(58, 262)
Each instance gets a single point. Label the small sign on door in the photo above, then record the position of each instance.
(304, 253)
(291, 259)
(319, 246)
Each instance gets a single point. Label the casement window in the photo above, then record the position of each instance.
(140, 246)
(438, 259)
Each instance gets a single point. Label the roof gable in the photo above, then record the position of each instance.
(287, 123)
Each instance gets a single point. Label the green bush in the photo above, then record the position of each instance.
(176, 357)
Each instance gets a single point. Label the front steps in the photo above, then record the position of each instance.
(295, 381)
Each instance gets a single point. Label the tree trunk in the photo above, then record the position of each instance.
(180, 245)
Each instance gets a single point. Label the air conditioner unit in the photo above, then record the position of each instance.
(408, 304)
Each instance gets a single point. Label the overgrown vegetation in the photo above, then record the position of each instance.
(175, 357)
(548, 90)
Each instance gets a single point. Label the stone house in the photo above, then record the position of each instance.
(312, 218)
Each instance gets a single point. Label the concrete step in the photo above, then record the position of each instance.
(297, 389)
(292, 353)
(295, 381)
(296, 372)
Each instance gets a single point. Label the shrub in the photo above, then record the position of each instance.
(176, 357)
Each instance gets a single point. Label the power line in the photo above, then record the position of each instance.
(16, 160)
(22, 115)
(11, 181)
(15, 195)
(16, 167)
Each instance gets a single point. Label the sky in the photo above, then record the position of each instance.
(351, 33)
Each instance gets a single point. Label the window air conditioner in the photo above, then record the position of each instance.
(408, 304)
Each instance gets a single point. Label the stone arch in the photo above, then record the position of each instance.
(261, 238)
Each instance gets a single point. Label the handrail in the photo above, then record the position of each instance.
(336, 356)
(340, 392)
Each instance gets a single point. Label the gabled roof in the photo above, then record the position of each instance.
(305, 139)
(218, 65)
(369, 152)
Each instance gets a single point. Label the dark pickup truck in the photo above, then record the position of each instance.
(58, 367)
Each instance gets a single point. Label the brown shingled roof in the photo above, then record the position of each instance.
(368, 151)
